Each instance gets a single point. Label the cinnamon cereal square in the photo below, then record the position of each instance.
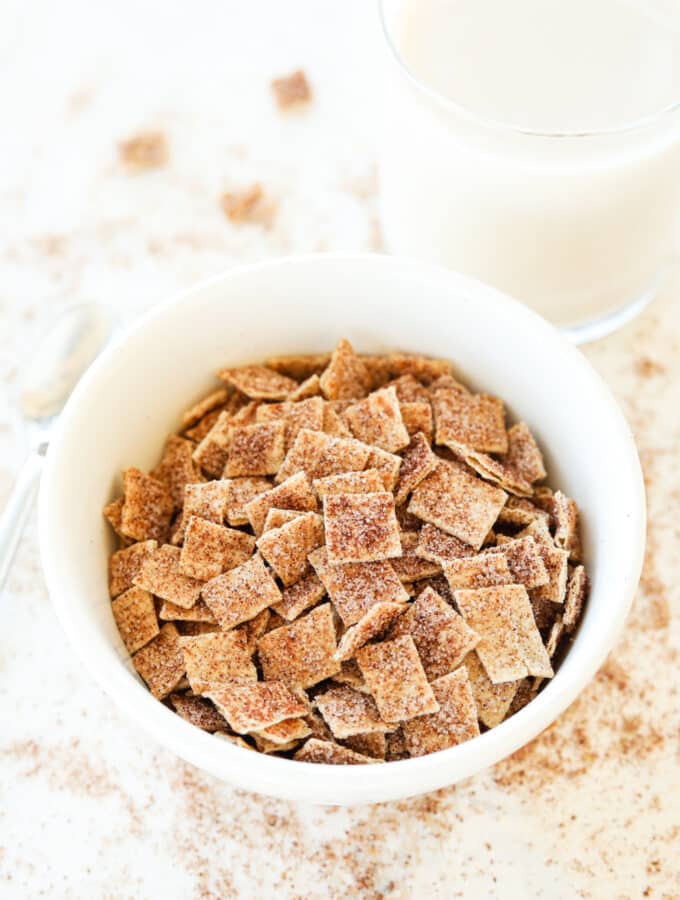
(240, 491)
(160, 663)
(577, 592)
(437, 546)
(161, 575)
(125, 564)
(476, 421)
(366, 482)
(135, 615)
(458, 503)
(455, 722)
(409, 566)
(207, 500)
(293, 493)
(113, 513)
(319, 455)
(360, 527)
(494, 470)
(295, 416)
(285, 734)
(329, 753)
(510, 645)
(310, 387)
(258, 382)
(523, 455)
(211, 660)
(373, 624)
(212, 452)
(199, 612)
(442, 637)
(177, 468)
(377, 420)
(417, 417)
(565, 513)
(198, 711)
(348, 712)
(147, 507)
(410, 390)
(299, 366)
(254, 705)
(396, 678)
(388, 465)
(417, 463)
(302, 653)
(240, 594)
(211, 549)
(346, 376)
(356, 587)
(484, 570)
(212, 401)
(278, 517)
(255, 450)
(286, 548)
(492, 700)
(299, 597)
(525, 561)
(556, 564)
(373, 744)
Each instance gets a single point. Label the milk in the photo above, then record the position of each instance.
(529, 143)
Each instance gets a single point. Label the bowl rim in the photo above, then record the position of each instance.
(327, 783)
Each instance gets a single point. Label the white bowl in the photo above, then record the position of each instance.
(132, 397)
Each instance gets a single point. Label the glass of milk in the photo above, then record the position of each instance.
(535, 144)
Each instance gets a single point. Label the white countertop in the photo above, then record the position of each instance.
(89, 807)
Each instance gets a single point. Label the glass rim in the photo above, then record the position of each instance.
(498, 124)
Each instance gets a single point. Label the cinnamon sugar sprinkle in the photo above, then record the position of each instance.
(332, 585)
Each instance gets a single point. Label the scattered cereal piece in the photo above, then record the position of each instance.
(519, 512)
(125, 564)
(176, 468)
(257, 626)
(409, 566)
(523, 455)
(278, 517)
(457, 503)
(199, 612)
(211, 660)
(198, 711)
(240, 491)
(295, 416)
(211, 549)
(258, 382)
(302, 653)
(410, 390)
(160, 663)
(329, 753)
(147, 507)
(494, 470)
(366, 482)
(360, 527)
(348, 712)
(438, 547)
(255, 450)
(510, 645)
(492, 700)
(387, 464)
(333, 424)
(577, 591)
(207, 500)
(374, 623)
(212, 453)
(291, 90)
(240, 594)
(286, 548)
(484, 570)
(556, 564)
(319, 455)
(350, 674)
(525, 561)
(135, 616)
(356, 587)
(248, 205)
(396, 678)
(442, 637)
(377, 420)
(293, 493)
(346, 376)
(146, 150)
(476, 421)
(255, 705)
(417, 463)
(455, 722)
(300, 366)
(160, 574)
(300, 596)
(417, 417)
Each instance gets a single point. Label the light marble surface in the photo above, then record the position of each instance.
(89, 807)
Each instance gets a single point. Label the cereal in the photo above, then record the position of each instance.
(387, 464)
(278, 517)
(366, 482)
(113, 513)
(409, 566)
(145, 151)
(286, 548)
(212, 453)
(333, 424)
(211, 660)
(319, 455)
(396, 678)
(160, 663)
(302, 653)
(494, 470)
(577, 591)
(211, 549)
(198, 711)
(567, 536)
(348, 712)
(360, 527)
(199, 612)
(289, 732)
(492, 700)
(457, 503)
(525, 561)
(523, 456)
(556, 564)
(212, 401)
(377, 420)
(329, 753)
(295, 416)
(417, 417)
(177, 468)
(346, 377)
(374, 623)
(356, 587)
(442, 637)
(310, 387)
(455, 722)
(350, 674)
(417, 463)
(300, 366)
(257, 626)
(125, 564)
(135, 616)
(293, 493)
(372, 744)
(520, 512)
(254, 705)
(240, 594)
(258, 382)
(291, 90)
(240, 491)
(161, 575)
(476, 421)
(484, 570)
(255, 450)
(410, 390)
(437, 546)
(510, 645)
(394, 365)
(249, 204)
(147, 507)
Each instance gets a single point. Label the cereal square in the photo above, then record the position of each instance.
(360, 527)
(346, 376)
(374, 623)
(373, 744)
(207, 501)
(417, 417)
(254, 628)
(556, 564)
(295, 416)
(240, 594)
(510, 645)
(286, 733)
(330, 753)
(254, 705)
(259, 382)
(437, 546)
(523, 455)
(455, 722)
(348, 712)
(496, 471)
(302, 653)
(299, 366)
(160, 663)
(198, 711)
(410, 390)
(240, 491)
(387, 464)
(199, 612)
(484, 570)
(177, 468)
(525, 561)
(442, 637)
(565, 513)
(135, 615)
(161, 575)
(366, 482)
(278, 517)
(333, 423)
(255, 450)
(396, 678)
(310, 387)
(212, 453)
(300, 597)
(286, 548)
(377, 420)
(211, 660)
(125, 564)
(211, 549)
(417, 463)
(113, 513)
(520, 512)
(409, 566)
(356, 587)
(319, 455)
(577, 592)
(212, 401)
(293, 493)
(147, 507)
(476, 421)
(492, 700)
(291, 90)
(458, 503)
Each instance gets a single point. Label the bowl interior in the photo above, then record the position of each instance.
(133, 396)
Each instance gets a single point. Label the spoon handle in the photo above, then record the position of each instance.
(15, 515)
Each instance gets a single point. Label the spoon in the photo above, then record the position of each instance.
(47, 381)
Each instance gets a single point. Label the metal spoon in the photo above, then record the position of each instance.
(46, 384)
